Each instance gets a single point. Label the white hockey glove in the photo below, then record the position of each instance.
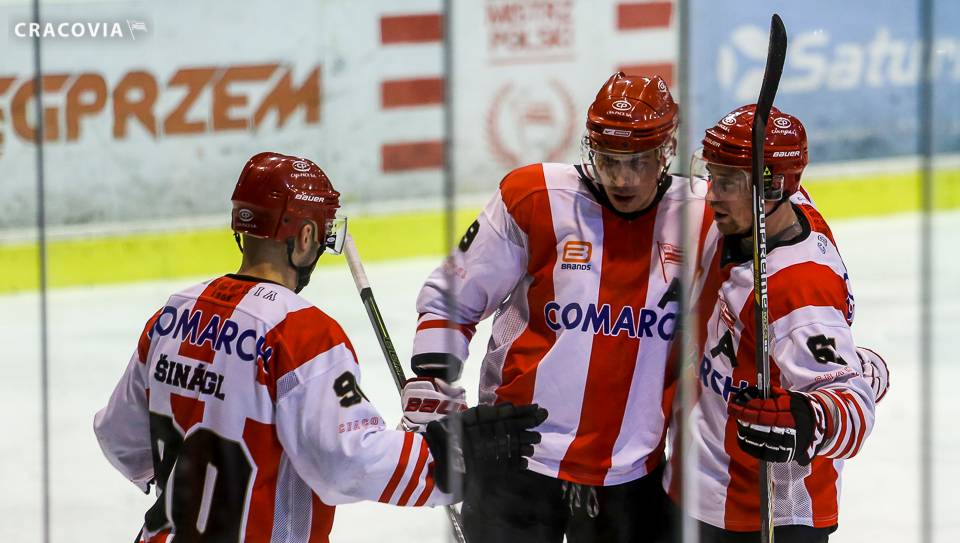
(426, 399)
(875, 372)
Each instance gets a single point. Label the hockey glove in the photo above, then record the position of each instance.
(875, 372)
(426, 399)
(481, 441)
(777, 429)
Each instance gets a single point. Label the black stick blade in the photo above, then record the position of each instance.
(776, 55)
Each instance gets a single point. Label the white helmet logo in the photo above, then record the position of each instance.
(782, 122)
(662, 86)
(245, 215)
(729, 120)
(301, 166)
(621, 105)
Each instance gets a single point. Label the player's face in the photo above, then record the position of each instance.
(629, 180)
(732, 208)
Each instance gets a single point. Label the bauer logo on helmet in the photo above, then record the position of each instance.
(308, 198)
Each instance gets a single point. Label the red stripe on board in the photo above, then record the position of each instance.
(613, 357)
(422, 456)
(663, 69)
(424, 91)
(411, 28)
(417, 155)
(639, 15)
(401, 467)
(524, 194)
(466, 329)
(218, 299)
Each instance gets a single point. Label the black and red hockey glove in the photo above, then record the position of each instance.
(777, 429)
(482, 441)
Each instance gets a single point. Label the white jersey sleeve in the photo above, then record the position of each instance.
(483, 269)
(123, 426)
(819, 357)
(346, 454)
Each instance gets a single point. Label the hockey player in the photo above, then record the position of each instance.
(579, 264)
(242, 400)
(822, 404)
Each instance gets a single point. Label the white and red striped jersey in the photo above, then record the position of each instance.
(811, 351)
(242, 403)
(585, 303)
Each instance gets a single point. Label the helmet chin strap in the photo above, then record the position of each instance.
(303, 272)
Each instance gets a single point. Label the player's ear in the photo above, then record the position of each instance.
(307, 235)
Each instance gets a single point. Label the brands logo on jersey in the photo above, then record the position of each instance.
(301, 166)
(194, 378)
(621, 105)
(635, 323)
(576, 255)
(227, 337)
(308, 198)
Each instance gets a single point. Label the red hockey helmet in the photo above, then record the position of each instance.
(632, 122)
(276, 193)
(727, 145)
(632, 114)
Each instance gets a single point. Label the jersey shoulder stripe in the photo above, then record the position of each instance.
(805, 284)
(524, 191)
(303, 335)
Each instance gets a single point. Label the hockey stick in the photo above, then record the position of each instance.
(776, 54)
(386, 345)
